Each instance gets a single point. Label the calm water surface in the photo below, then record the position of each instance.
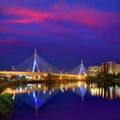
(65, 101)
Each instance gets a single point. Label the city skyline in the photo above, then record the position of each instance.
(64, 32)
(31, 59)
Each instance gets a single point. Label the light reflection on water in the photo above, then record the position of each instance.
(36, 95)
(110, 92)
(93, 89)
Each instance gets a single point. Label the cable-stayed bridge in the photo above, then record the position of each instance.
(35, 63)
(35, 66)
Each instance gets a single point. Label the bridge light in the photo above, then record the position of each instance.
(39, 76)
(28, 77)
(85, 75)
(79, 77)
(13, 96)
(79, 84)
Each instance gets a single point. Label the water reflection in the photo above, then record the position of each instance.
(81, 89)
(94, 89)
(33, 95)
(36, 95)
(110, 92)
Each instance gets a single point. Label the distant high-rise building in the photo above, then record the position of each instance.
(110, 68)
(94, 70)
(105, 68)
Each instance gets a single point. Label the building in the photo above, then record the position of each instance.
(105, 68)
(94, 70)
(110, 68)
(117, 69)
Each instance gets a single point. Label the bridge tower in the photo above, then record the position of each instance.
(35, 63)
(82, 69)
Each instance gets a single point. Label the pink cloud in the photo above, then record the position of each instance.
(83, 15)
(24, 15)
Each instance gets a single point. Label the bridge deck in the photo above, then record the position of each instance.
(34, 74)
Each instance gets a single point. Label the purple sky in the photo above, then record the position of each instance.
(63, 31)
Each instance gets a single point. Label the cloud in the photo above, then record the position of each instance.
(86, 15)
(24, 15)
(61, 22)
(81, 14)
